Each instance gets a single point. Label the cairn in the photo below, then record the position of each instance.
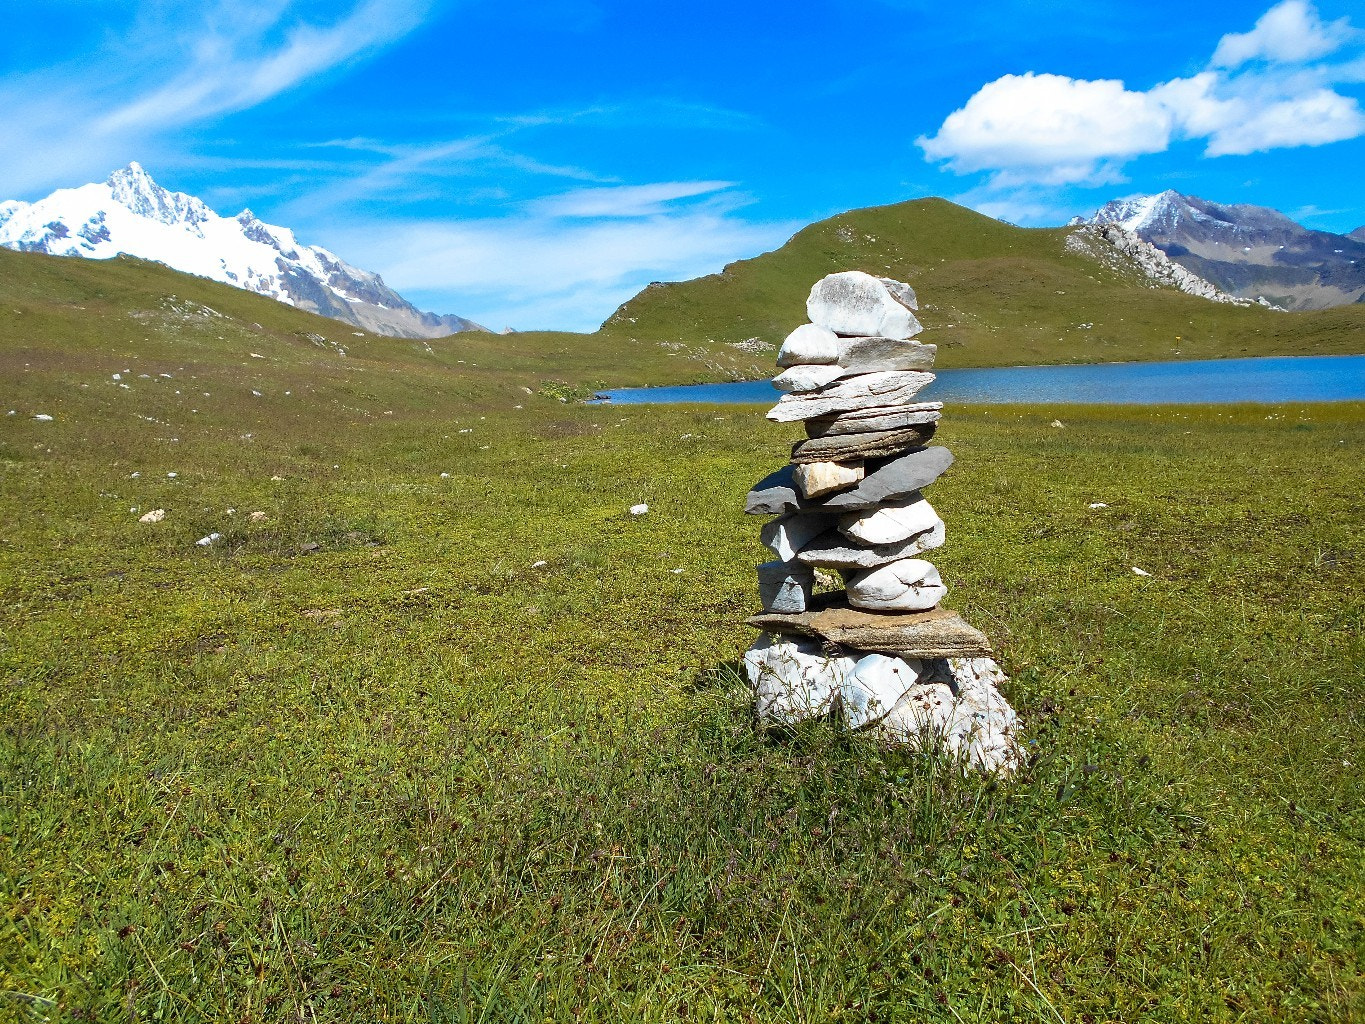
(881, 654)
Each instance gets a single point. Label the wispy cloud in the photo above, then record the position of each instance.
(1269, 88)
(563, 261)
(183, 64)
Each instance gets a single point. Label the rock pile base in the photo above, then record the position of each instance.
(881, 655)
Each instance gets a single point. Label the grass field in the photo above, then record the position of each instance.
(404, 775)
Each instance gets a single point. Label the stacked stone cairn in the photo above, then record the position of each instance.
(879, 655)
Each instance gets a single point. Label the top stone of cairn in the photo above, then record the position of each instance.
(855, 304)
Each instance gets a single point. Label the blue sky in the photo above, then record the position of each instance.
(535, 163)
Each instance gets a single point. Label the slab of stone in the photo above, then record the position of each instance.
(898, 479)
(787, 535)
(807, 377)
(955, 709)
(874, 444)
(882, 418)
(868, 355)
(891, 523)
(814, 479)
(910, 585)
(775, 493)
(785, 586)
(831, 551)
(793, 679)
(858, 304)
(809, 344)
(933, 634)
(865, 391)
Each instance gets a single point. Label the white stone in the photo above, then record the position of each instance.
(204, 542)
(865, 391)
(1140, 572)
(785, 586)
(257, 517)
(816, 478)
(154, 516)
(809, 344)
(43, 417)
(1097, 504)
(874, 686)
(539, 565)
(793, 679)
(806, 377)
(639, 510)
(910, 585)
(892, 523)
(956, 709)
(788, 534)
(854, 303)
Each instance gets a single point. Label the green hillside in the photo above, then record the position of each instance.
(991, 295)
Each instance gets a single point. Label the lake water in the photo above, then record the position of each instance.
(1271, 379)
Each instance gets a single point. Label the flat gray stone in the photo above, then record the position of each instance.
(876, 444)
(870, 355)
(831, 550)
(775, 493)
(897, 479)
(863, 420)
(865, 391)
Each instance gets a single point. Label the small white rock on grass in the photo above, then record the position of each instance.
(639, 510)
(156, 515)
(208, 541)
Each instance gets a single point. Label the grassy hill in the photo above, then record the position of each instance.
(991, 295)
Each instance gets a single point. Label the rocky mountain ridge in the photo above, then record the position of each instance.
(131, 214)
(1250, 252)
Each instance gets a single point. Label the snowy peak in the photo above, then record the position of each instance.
(133, 188)
(1252, 252)
(130, 213)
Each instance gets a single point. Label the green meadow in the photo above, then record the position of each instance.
(363, 759)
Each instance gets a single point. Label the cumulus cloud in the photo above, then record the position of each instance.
(1289, 32)
(1051, 128)
(1054, 130)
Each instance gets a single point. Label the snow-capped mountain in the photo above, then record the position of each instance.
(130, 213)
(1249, 251)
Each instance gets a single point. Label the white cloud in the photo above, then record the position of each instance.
(557, 266)
(1250, 115)
(625, 200)
(1050, 128)
(1044, 129)
(1290, 32)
